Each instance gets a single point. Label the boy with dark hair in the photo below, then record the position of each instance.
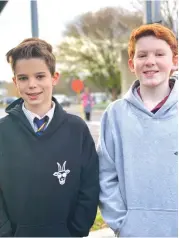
(138, 144)
(48, 162)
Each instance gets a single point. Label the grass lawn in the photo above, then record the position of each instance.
(99, 223)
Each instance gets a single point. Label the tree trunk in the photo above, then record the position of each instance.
(114, 94)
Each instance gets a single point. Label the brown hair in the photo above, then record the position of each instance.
(32, 48)
(157, 30)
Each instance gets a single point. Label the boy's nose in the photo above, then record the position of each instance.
(150, 61)
(32, 83)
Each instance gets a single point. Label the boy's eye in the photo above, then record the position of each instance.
(142, 56)
(160, 54)
(22, 78)
(40, 76)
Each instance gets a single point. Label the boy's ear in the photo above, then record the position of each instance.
(14, 80)
(175, 63)
(131, 65)
(55, 79)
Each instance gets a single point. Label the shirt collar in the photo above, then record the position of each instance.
(30, 115)
(160, 104)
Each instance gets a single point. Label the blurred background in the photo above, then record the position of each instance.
(89, 39)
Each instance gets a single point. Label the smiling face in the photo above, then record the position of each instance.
(34, 83)
(153, 61)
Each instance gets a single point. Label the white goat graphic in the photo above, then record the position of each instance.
(62, 173)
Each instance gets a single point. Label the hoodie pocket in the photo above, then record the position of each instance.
(57, 230)
(151, 223)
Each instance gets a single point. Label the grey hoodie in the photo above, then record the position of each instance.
(138, 166)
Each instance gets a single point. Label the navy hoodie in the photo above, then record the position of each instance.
(49, 184)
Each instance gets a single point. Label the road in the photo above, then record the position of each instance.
(2, 113)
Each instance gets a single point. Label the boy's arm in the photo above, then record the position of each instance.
(5, 226)
(88, 199)
(112, 205)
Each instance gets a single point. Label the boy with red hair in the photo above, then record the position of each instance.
(138, 145)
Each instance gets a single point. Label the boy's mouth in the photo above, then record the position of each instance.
(150, 73)
(33, 96)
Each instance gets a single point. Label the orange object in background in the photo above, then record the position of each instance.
(77, 85)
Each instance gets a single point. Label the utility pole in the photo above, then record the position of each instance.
(152, 11)
(156, 13)
(34, 18)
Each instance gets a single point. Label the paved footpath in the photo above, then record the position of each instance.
(106, 232)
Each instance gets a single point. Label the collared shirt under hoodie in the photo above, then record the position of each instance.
(31, 116)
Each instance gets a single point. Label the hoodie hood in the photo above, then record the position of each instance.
(15, 112)
(167, 110)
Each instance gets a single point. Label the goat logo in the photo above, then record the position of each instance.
(62, 173)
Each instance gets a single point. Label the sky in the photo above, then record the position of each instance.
(15, 22)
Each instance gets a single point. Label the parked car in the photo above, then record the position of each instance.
(63, 100)
(99, 97)
(7, 100)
